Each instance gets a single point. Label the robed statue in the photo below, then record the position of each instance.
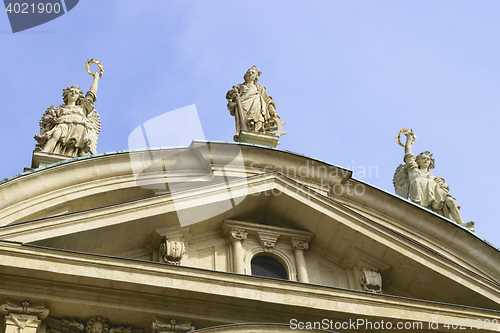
(254, 110)
(72, 128)
(414, 180)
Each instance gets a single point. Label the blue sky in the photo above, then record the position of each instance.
(346, 75)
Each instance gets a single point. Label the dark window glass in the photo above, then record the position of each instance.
(268, 267)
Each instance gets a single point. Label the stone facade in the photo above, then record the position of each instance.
(95, 250)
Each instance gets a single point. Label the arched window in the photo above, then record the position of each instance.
(268, 267)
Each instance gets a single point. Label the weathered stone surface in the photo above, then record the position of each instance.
(71, 129)
(255, 112)
(414, 180)
(83, 237)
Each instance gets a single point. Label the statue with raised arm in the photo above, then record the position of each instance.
(414, 180)
(72, 128)
(254, 110)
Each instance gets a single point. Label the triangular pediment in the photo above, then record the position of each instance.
(345, 243)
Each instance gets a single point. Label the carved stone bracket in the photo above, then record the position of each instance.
(366, 271)
(160, 326)
(267, 240)
(371, 281)
(172, 252)
(23, 318)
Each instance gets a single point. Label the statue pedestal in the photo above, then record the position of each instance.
(258, 138)
(41, 159)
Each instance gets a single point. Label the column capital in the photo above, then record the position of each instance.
(299, 244)
(238, 235)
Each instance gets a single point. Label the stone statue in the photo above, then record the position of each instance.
(253, 108)
(72, 128)
(413, 179)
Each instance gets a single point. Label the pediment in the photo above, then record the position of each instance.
(344, 242)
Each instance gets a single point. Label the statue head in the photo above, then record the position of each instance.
(252, 74)
(97, 324)
(425, 159)
(66, 92)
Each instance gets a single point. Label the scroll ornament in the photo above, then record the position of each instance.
(371, 281)
(172, 252)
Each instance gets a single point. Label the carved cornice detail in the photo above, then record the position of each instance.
(10, 307)
(22, 318)
(95, 324)
(160, 326)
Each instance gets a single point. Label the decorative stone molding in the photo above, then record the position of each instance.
(172, 326)
(270, 239)
(172, 252)
(282, 256)
(95, 324)
(254, 229)
(371, 281)
(64, 325)
(366, 271)
(267, 240)
(25, 308)
(238, 235)
(162, 244)
(23, 318)
(300, 244)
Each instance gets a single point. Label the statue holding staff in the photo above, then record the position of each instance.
(254, 110)
(414, 180)
(72, 128)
